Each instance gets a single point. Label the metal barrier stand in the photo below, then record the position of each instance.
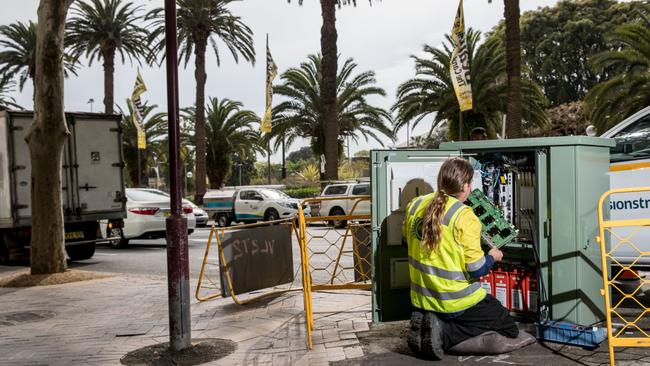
(619, 339)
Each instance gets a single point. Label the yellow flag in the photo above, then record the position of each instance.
(271, 73)
(138, 111)
(459, 64)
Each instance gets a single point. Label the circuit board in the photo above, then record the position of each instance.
(497, 231)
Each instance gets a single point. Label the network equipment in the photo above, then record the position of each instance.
(497, 230)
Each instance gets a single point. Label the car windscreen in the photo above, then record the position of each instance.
(273, 194)
(633, 142)
(137, 195)
(335, 190)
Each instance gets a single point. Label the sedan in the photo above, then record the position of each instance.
(146, 215)
(200, 215)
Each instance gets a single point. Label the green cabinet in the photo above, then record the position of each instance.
(559, 181)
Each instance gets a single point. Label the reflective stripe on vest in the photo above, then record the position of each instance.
(439, 279)
(455, 295)
(438, 272)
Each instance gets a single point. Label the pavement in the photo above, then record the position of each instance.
(98, 322)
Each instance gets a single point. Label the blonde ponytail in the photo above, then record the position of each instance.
(454, 174)
(432, 223)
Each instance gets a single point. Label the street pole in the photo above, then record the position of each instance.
(460, 127)
(269, 159)
(349, 161)
(180, 332)
(284, 160)
(139, 180)
(408, 132)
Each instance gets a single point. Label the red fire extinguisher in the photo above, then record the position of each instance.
(502, 287)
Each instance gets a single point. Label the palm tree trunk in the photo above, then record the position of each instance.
(328, 46)
(46, 139)
(513, 67)
(200, 76)
(109, 70)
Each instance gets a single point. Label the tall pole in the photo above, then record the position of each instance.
(284, 160)
(268, 146)
(460, 126)
(349, 158)
(268, 162)
(180, 332)
(139, 180)
(408, 134)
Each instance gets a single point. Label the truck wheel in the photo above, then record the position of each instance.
(80, 252)
(271, 215)
(223, 221)
(339, 224)
(122, 242)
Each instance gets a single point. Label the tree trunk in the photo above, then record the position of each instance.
(513, 66)
(46, 138)
(109, 70)
(200, 76)
(329, 67)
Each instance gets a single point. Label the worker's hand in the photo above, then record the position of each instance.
(496, 254)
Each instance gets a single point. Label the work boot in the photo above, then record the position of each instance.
(432, 337)
(414, 338)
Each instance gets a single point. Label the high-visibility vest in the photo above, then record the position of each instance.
(439, 278)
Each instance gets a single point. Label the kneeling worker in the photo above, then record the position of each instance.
(445, 264)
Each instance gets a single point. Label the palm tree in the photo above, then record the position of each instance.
(513, 68)
(629, 89)
(6, 87)
(18, 52)
(229, 130)
(102, 29)
(329, 50)
(155, 127)
(303, 114)
(432, 91)
(201, 22)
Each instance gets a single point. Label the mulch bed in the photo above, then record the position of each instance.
(25, 279)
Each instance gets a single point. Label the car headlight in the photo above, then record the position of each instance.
(285, 204)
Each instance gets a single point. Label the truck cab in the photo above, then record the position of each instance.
(347, 204)
(251, 204)
(630, 167)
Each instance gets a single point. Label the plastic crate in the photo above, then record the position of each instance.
(567, 333)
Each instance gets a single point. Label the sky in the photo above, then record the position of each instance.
(381, 37)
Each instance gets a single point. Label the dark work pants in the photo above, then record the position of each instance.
(485, 316)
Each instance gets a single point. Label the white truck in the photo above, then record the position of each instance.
(249, 205)
(630, 167)
(92, 180)
(343, 206)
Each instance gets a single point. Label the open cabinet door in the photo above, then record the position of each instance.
(397, 178)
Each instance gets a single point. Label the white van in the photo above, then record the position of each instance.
(630, 167)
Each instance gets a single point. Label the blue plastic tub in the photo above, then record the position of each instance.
(567, 333)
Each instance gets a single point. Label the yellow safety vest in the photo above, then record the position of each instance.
(439, 278)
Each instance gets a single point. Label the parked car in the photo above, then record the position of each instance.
(343, 206)
(145, 218)
(630, 167)
(200, 215)
(249, 205)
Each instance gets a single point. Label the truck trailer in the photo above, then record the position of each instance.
(92, 182)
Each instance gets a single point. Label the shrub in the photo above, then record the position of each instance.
(302, 192)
